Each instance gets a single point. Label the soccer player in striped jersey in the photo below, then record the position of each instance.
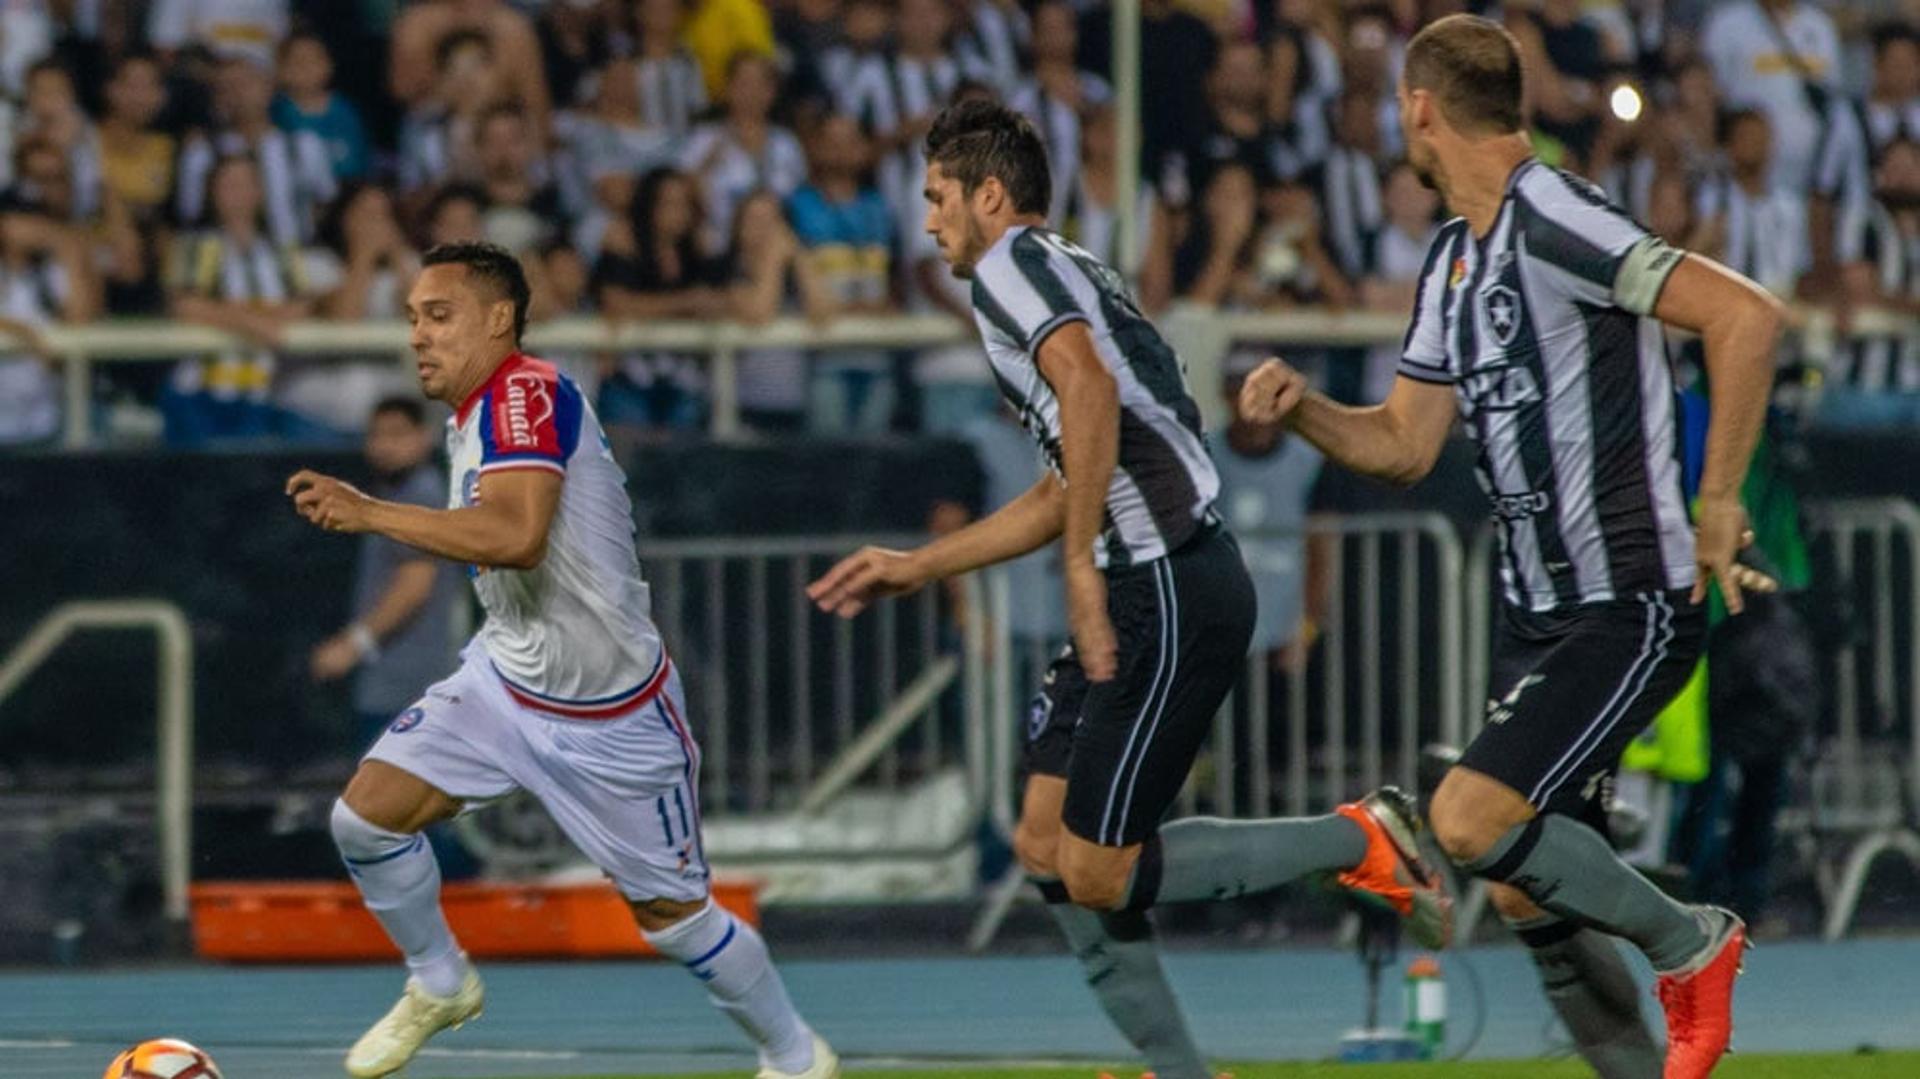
(1160, 606)
(566, 690)
(1538, 322)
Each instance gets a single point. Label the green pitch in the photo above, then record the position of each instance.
(1738, 1066)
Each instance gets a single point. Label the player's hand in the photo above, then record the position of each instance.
(1093, 638)
(866, 575)
(1272, 392)
(1720, 532)
(333, 659)
(332, 504)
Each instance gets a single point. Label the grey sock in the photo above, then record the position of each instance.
(1567, 867)
(1589, 986)
(1122, 965)
(1210, 858)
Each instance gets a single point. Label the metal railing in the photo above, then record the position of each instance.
(173, 687)
(1201, 335)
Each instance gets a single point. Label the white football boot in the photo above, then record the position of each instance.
(390, 1043)
(826, 1064)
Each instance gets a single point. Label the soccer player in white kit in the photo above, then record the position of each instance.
(565, 691)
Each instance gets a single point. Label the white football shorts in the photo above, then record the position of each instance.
(625, 789)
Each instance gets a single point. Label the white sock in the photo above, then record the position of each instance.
(399, 879)
(728, 955)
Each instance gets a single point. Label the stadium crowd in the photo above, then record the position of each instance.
(246, 163)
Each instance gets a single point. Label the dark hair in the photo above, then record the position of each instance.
(447, 195)
(1729, 119)
(1887, 34)
(1471, 66)
(493, 264)
(646, 200)
(975, 140)
(456, 40)
(410, 408)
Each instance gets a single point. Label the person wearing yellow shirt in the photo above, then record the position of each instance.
(718, 30)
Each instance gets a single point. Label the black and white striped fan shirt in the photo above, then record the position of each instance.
(1544, 330)
(1031, 283)
(1872, 235)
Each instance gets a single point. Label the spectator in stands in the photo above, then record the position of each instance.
(1689, 122)
(922, 75)
(295, 168)
(658, 268)
(807, 30)
(1173, 104)
(577, 40)
(1289, 263)
(1395, 257)
(29, 39)
(1567, 62)
(1858, 133)
(1783, 58)
(1875, 380)
(230, 274)
(229, 29)
(855, 67)
(420, 35)
(43, 180)
(1350, 181)
(671, 87)
(136, 157)
(1746, 220)
(401, 627)
(438, 135)
(308, 102)
(612, 140)
(1303, 80)
(523, 210)
(846, 234)
(768, 280)
(52, 115)
(719, 32)
(46, 275)
(1058, 95)
(1238, 134)
(744, 150)
(1090, 216)
(456, 214)
(990, 38)
(1211, 240)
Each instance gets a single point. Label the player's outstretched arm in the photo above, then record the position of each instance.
(1022, 525)
(506, 529)
(1397, 440)
(1739, 323)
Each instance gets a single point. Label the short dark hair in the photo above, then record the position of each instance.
(1887, 34)
(1471, 66)
(409, 408)
(973, 140)
(493, 264)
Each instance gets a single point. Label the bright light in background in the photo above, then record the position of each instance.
(1626, 102)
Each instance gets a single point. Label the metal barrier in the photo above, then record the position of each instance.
(1866, 774)
(173, 770)
(1202, 336)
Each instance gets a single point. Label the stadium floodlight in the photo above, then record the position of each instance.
(1626, 102)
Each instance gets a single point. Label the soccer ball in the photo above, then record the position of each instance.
(163, 1058)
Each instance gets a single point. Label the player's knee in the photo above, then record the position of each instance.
(659, 915)
(1095, 887)
(1038, 849)
(1456, 826)
(358, 838)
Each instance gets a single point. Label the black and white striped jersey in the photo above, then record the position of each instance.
(1030, 283)
(1762, 235)
(1871, 234)
(1543, 328)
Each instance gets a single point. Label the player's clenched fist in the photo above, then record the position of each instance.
(866, 575)
(1272, 392)
(332, 504)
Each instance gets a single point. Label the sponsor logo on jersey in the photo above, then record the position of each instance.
(1502, 710)
(1500, 389)
(1522, 506)
(1038, 713)
(470, 487)
(526, 403)
(1459, 273)
(407, 720)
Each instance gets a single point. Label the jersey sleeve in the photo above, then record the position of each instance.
(1423, 355)
(1607, 259)
(531, 418)
(1022, 289)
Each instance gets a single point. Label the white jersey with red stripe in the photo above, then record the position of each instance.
(574, 635)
